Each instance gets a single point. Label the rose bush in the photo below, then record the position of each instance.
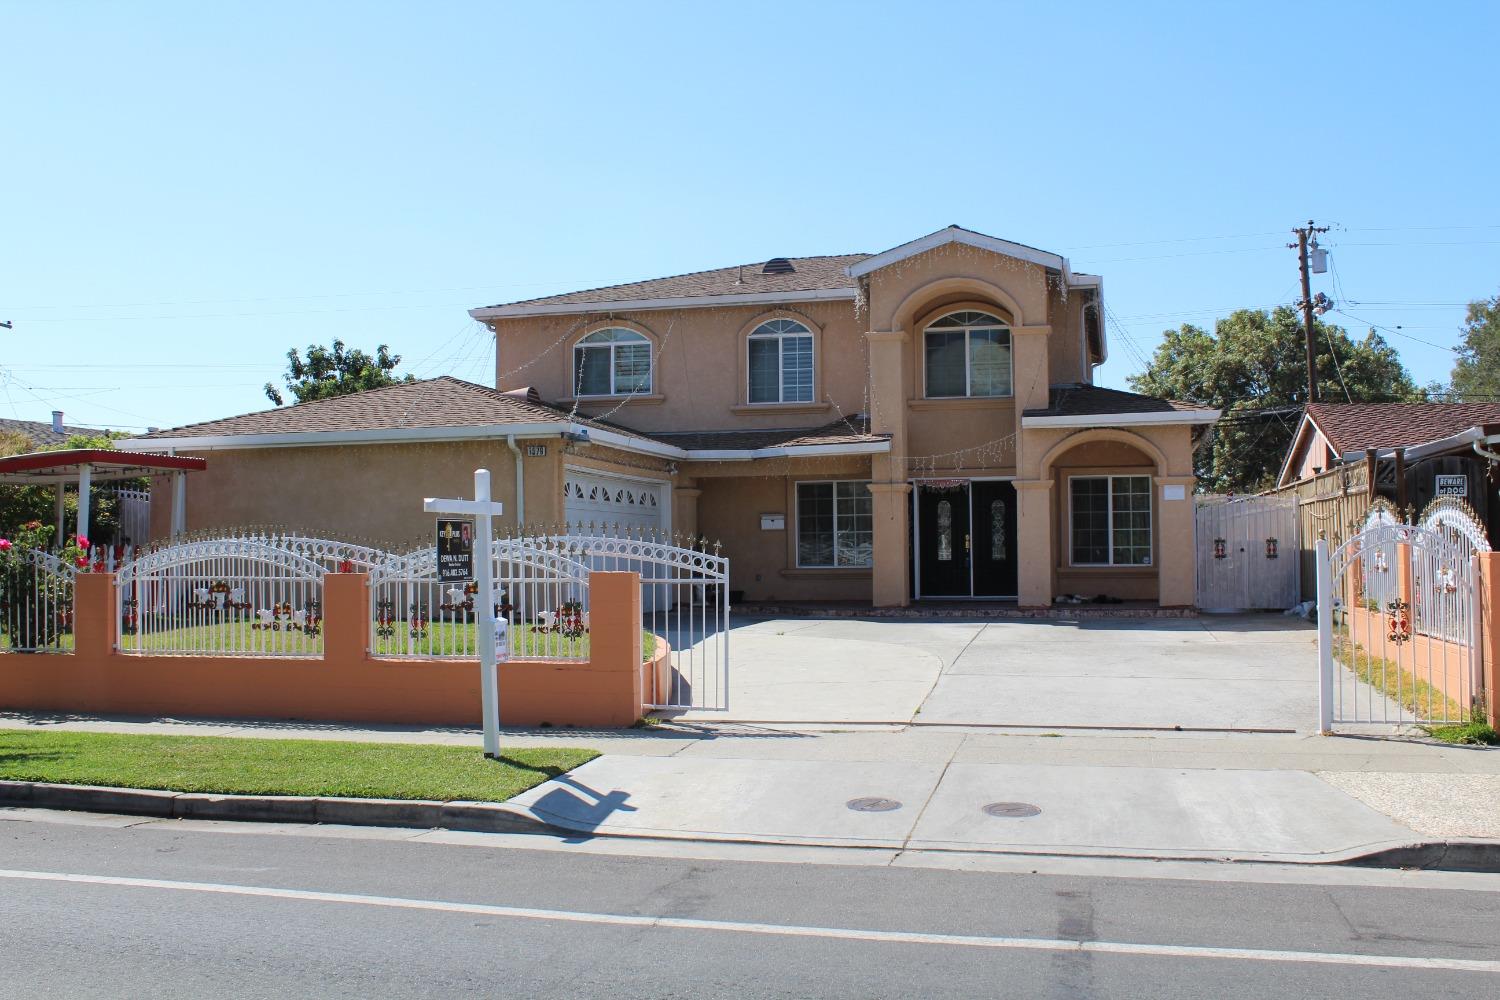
(36, 604)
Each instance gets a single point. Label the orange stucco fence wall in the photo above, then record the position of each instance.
(345, 684)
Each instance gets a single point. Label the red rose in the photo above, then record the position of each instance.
(83, 543)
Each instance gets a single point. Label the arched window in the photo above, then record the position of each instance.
(967, 353)
(613, 362)
(781, 363)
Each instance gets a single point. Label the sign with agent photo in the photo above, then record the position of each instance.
(455, 550)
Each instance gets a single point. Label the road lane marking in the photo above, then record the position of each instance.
(775, 930)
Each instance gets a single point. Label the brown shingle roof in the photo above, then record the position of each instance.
(1079, 400)
(41, 434)
(435, 402)
(855, 430)
(1357, 426)
(808, 274)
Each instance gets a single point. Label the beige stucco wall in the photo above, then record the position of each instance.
(762, 563)
(699, 382)
(370, 492)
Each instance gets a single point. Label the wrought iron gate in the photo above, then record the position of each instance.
(1398, 621)
(685, 601)
(1247, 553)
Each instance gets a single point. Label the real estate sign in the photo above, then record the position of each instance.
(455, 549)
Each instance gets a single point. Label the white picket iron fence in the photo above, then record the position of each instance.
(36, 603)
(237, 596)
(1398, 628)
(541, 592)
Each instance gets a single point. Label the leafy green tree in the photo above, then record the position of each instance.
(1253, 367)
(1476, 374)
(326, 373)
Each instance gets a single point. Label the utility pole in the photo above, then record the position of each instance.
(1307, 237)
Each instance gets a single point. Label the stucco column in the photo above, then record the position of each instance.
(1488, 565)
(1176, 542)
(685, 508)
(1030, 376)
(1035, 572)
(890, 491)
(891, 573)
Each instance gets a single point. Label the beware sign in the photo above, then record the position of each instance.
(1452, 486)
(455, 550)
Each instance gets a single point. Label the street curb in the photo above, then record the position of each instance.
(483, 817)
(1458, 855)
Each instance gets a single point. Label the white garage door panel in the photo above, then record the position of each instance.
(608, 501)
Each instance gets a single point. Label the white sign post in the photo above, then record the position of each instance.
(482, 508)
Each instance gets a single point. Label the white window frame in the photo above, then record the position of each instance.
(781, 338)
(797, 521)
(968, 331)
(583, 345)
(1110, 520)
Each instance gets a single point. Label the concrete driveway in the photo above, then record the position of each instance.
(1214, 672)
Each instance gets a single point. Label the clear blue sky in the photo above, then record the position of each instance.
(190, 189)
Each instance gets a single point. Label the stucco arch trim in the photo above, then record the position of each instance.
(1111, 434)
(594, 326)
(742, 402)
(984, 293)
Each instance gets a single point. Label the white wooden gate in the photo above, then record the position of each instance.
(1247, 553)
(1398, 629)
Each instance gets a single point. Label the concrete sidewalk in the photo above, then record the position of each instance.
(1250, 796)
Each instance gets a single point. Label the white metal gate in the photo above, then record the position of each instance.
(1398, 621)
(1247, 553)
(685, 601)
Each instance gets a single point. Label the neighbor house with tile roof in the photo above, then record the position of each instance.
(1419, 451)
(915, 424)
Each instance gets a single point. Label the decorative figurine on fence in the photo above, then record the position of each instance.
(385, 619)
(1400, 618)
(218, 596)
(1378, 563)
(1446, 583)
(460, 598)
(1271, 546)
(568, 621)
(1220, 548)
(129, 619)
(416, 621)
(309, 620)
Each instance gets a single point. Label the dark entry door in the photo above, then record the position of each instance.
(943, 540)
(994, 549)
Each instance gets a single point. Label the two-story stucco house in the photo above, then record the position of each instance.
(919, 423)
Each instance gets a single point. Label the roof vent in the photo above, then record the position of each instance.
(778, 265)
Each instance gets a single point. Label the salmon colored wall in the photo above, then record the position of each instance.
(345, 684)
(1444, 665)
(1489, 629)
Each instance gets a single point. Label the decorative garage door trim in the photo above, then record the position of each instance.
(604, 499)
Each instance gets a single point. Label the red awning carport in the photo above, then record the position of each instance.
(86, 466)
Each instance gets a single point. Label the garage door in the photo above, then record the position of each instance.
(609, 501)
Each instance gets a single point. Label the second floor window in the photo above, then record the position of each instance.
(781, 363)
(613, 362)
(967, 354)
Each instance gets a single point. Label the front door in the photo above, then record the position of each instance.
(994, 549)
(943, 539)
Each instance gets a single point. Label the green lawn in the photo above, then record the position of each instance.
(452, 638)
(228, 765)
(441, 639)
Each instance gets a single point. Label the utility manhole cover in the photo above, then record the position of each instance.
(873, 804)
(1012, 810)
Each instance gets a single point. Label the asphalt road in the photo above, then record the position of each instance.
(173, 909)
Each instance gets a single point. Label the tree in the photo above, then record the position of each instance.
(1253, 367)
(1476, 374)
(327, 373)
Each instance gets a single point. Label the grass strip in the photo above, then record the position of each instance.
(236, 766)
(1469, 734)
(1401, 686)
